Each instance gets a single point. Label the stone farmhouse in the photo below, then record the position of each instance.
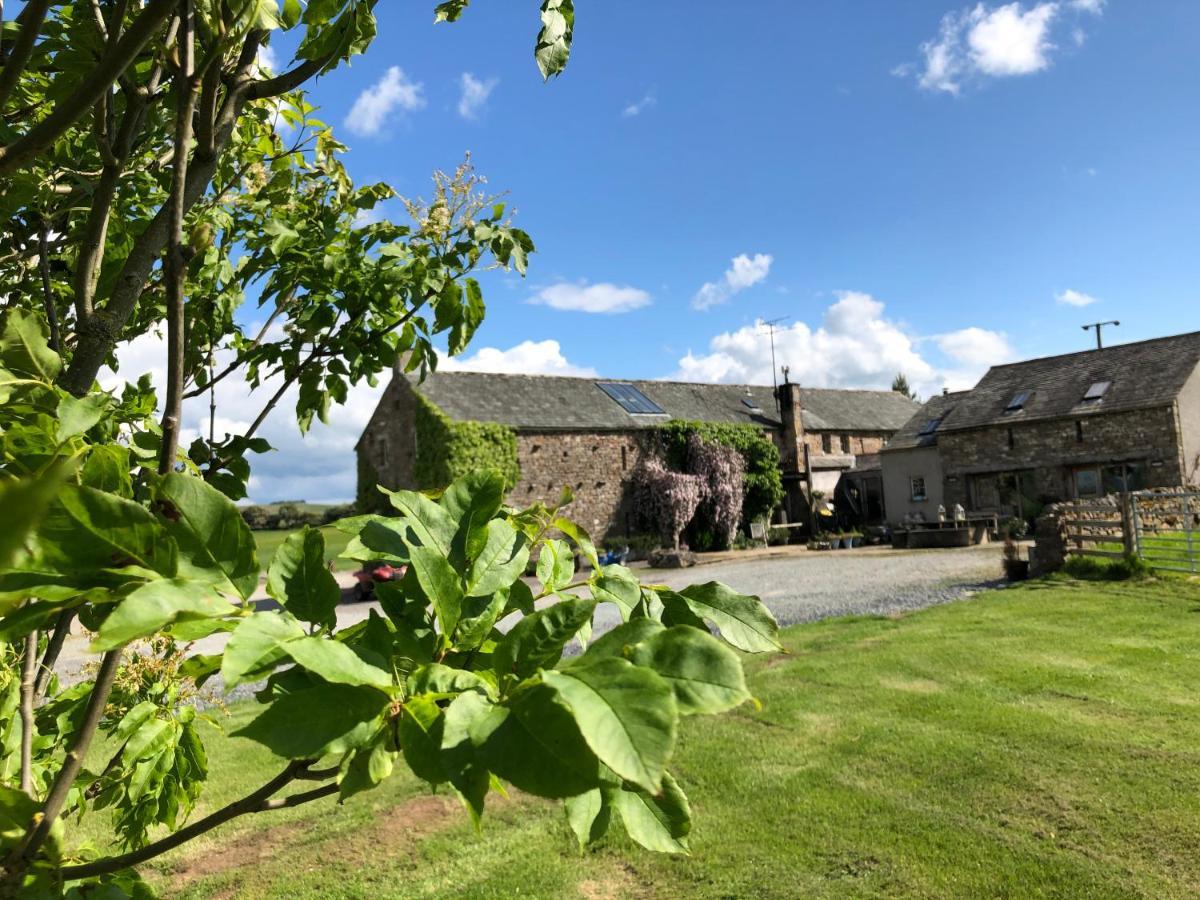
(1082, 425)
(589, 433)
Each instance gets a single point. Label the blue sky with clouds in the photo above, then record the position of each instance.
(921, 186)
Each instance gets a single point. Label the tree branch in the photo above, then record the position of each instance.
(28, 671)
(47, 289)
(176, 262)
(68, 111)
(34, 15)
(98, 336)
(58, 637)
(18, 859)
(257, 801)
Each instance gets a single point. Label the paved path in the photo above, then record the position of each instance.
(796, 585)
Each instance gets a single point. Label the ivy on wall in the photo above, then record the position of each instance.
(764, 479)
(447, 450)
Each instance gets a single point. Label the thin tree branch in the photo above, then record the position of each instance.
(47, 288)
(34, 15)
(58, 637)
(237, 363)
(68, 111)
(18, 859)
(99, 336)
(176, 262)
(257, 801)
(28, 672)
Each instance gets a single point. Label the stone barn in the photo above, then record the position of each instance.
(589, 433)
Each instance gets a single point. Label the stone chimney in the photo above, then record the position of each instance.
(793, 427)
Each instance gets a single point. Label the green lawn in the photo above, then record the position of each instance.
(1033, 742)
(335, 542)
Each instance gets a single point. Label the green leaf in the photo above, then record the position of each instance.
(300, 581)
(432, 525)
(107, 469)
(326, 718)
(616, 584)
(658, 822)
(537, 641)
(367, 766)
(589, 815)
(626, 714)
(555, 565)
(256, 646)
(554, 40)
(421, 725)
(25, 346)
(215, 543)
(706, 675)
(78, 414)
(336, 662)
(742, 620)
(620, 641)
(535, 744)
(440, 583)
(89, 529)
(472, 502)
(155, 605)
(500, 562)
(25, 501)
(449, 11)
(443, 681)
(479, 615)
(581, 538)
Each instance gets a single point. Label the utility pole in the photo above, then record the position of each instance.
(1099, 326)
(771, 326)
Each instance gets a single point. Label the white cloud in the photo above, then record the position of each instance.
(975, 347)
(639, 107)
(744, 272)
(526, 358)
(1075, 298)
(375, 104)
(474, 94)
(266, 59)
(591, 298)
(994, 41)
(855, 346)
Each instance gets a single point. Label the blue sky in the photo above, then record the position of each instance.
(921, 186)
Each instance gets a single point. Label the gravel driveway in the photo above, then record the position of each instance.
(796, 588)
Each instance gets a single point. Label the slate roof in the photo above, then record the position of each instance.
(1143, 375)
(555, 403)
(940, 407)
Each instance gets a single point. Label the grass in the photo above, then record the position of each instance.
(335, 542)
(1032, 742)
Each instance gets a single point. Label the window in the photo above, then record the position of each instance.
(1079, 431)
(1097, 391)
(929, 427)
(630, 399)
(917, 489)
(1087, 483)
(751, 405)
(624, 458)
(827, 443)
(1012, 439)
(1017, 403)
(845, 443)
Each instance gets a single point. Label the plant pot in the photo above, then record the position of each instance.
(1016, 569)
(843, 543)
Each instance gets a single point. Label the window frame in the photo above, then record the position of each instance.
(913, 496)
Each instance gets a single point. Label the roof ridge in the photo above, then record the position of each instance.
(1073, 353)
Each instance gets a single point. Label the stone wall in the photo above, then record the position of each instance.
(1046, 450)
(597, 466)
(856, 443)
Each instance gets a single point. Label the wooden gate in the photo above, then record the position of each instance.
(1101, 529)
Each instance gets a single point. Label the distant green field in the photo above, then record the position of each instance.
(335, 542)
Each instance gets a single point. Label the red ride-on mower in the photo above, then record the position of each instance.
(371, 574)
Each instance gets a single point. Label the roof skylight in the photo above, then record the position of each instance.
(1017, 403)
(1097, 391)
(631, 399)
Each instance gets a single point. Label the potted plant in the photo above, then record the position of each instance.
(1015, 568)
(856, 539)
